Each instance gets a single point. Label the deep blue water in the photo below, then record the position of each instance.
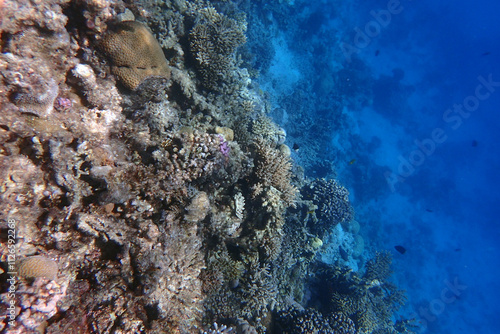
(416, 105)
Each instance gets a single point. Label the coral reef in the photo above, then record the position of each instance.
(369, 300)
(167, 203)
(264, 127)
(311, 321)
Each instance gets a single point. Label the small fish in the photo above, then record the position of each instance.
(296, 146)
(474, 143)
(486, 53)
(400, 249)
(352, 161)
(343, 254)
(377, 52)
(310, 212)
(458, 249)
(429, 210)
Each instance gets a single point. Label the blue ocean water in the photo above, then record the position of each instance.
(410, 95)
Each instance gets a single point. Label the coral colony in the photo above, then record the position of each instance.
(224, 147)
(150, 191)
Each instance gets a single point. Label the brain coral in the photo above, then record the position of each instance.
(38, 266)
(134, 53)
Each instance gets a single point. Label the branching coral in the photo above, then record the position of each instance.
(333, 204)
(272, 187)
(311, 321)
(264, 127)
(368, 300)
(214, 39)
(273, 172)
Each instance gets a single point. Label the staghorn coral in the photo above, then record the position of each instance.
(243, 292)
(134, 53)
(259, 293)
(213, 41)
(333, 204)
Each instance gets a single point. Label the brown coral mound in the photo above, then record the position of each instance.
(134, 53)
(38, 266)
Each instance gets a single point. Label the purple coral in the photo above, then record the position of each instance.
(63, 103)
(224, 147)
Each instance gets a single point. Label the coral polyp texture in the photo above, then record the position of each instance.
(134, 53)
(38, 266)
(171, 206)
